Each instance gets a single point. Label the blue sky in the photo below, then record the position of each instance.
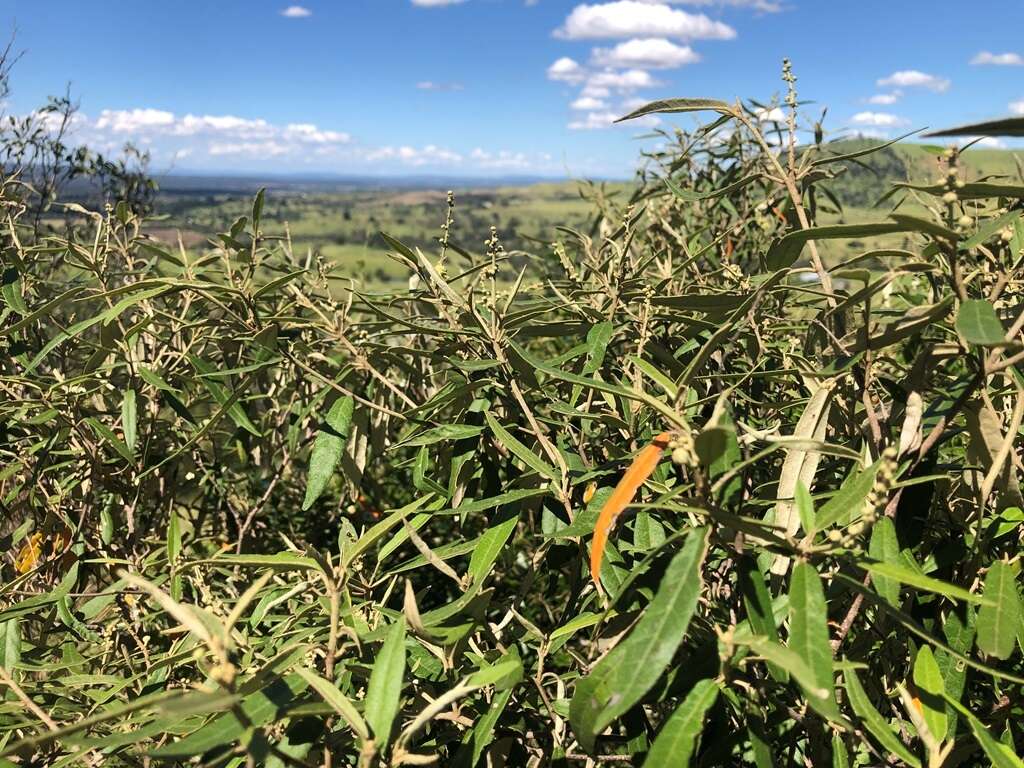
(491, 87)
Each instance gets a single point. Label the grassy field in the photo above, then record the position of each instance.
(343, 227)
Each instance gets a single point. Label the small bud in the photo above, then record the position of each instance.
(965, 221)
(835, 536)
(680, 456)
(950, 197)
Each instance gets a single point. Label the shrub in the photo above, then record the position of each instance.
(257, 516)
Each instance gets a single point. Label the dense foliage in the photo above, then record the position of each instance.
(253, 515)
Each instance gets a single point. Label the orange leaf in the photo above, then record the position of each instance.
(643, 465)
(29, 554)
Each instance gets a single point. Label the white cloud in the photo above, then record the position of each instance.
(593, 121)
(596, 91)
(646, 53)
(773, 115)
(132, 120)
(430, 85)
(878, 119)
(1017, 107)
(633, 18)
(588, 103)
(998, 59)
(428, 155)
(912, 78)
(624, 81)
(501, 160)
(436, 3)
(566, 70)
(254, 148)
(309, 133)
(296, 12)
(766, 6)
(885, 99)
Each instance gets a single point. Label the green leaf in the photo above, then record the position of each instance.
(786, 250)
(885, 547)
(489, 547)
(1000, 754)
(931, 690)
(677, 739)
(850, 497)
(905, 575)
(107, 435)
(758, 602)
(978, 324)
(524, 454)
(630, 670)
(999, 620)
(663, 106)
(808, 635)
(129, 417)
(805, 508)
(257, 709)
(10, 644)
(385, 687)
(874, 722)
(337, 700)
(1010, 126)
(223, 397)
(444, 433)
(327, 449)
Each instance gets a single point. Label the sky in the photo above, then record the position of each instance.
(491, 87)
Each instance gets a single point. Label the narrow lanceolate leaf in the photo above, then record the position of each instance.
(931, 692)
(680, 105)
(675, 743)
(1010, 126)
(978, 323)
(998, 622)
(631, 669)
(849, 499)
(520, 451)
(643, 465)
(917, 580)
(129, 419)
(489, 547)
(808, 635)
(758, 602)
(385, 687)
(785, 251)
(885, 548)
(801, 465)
(1000, 754)
(10, 644)
(598, 338)
(337, 700)
(874, 722)
(327, 448)
(224, 397)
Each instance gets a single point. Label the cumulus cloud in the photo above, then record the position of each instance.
(296, 12)
(878, 119)
(634, 18)
(646, 53)
(589, 103)
(998, 59)
(601, 119)
(132, 120)
(765, 6)
(912, 78)
(1017, 107)
(771, 115)
(566, 70)
(431, 154)
(624, 81)
(989, 142)
(885, 98)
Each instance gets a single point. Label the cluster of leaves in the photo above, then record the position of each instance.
(256, 516)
